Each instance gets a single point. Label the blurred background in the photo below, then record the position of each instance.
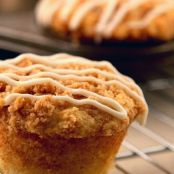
(147, 149)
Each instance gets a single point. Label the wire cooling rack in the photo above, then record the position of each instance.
(150, 149)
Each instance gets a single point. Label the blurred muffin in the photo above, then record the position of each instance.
(63, 114)
(114, 20)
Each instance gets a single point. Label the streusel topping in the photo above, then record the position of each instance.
(68, 96)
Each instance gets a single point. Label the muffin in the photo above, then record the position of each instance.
(110, 20)
(64, 114)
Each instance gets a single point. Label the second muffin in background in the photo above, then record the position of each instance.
(111, 20)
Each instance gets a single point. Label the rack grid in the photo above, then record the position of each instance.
(152, 148)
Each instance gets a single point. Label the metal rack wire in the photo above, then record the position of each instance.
(164, 139)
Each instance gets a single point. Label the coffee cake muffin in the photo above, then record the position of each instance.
(115, 20)
(64, 114)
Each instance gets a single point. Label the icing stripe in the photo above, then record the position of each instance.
(76, 78)
(67, 9)
(42, 7)
(58, 61)
(124, 79)
(120, 15)
(133, 94)
(158, 10)
(81, 12)
(64, 59)
(36, 81)
(110, 17)
(105, 17)
(121, 115)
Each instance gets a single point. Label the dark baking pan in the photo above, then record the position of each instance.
(120, 51)
(21, 29)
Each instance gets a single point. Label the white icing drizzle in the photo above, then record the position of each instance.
(53, 77)
(77, 78)
(121, 13)
(121, 115)
(45, 11)
(67, 9)
(105, 17)
(81, 12)
(112, 15)
(158, 10)
(120, 78)
(83, 92)
(62, 58)
(44, 60)
(123, 79)
(139, 97)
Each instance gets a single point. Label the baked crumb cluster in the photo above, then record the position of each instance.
(67, 96)
(109, 19)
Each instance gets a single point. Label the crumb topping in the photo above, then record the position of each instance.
(108, 19)
(67, 96)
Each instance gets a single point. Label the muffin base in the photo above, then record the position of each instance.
(29, 154)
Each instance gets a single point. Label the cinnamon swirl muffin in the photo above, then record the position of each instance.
(64, 114)
(108, 19)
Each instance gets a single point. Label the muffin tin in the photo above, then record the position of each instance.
(14, 30)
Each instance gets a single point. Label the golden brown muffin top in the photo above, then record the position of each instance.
(104, 18)
(67, 96)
